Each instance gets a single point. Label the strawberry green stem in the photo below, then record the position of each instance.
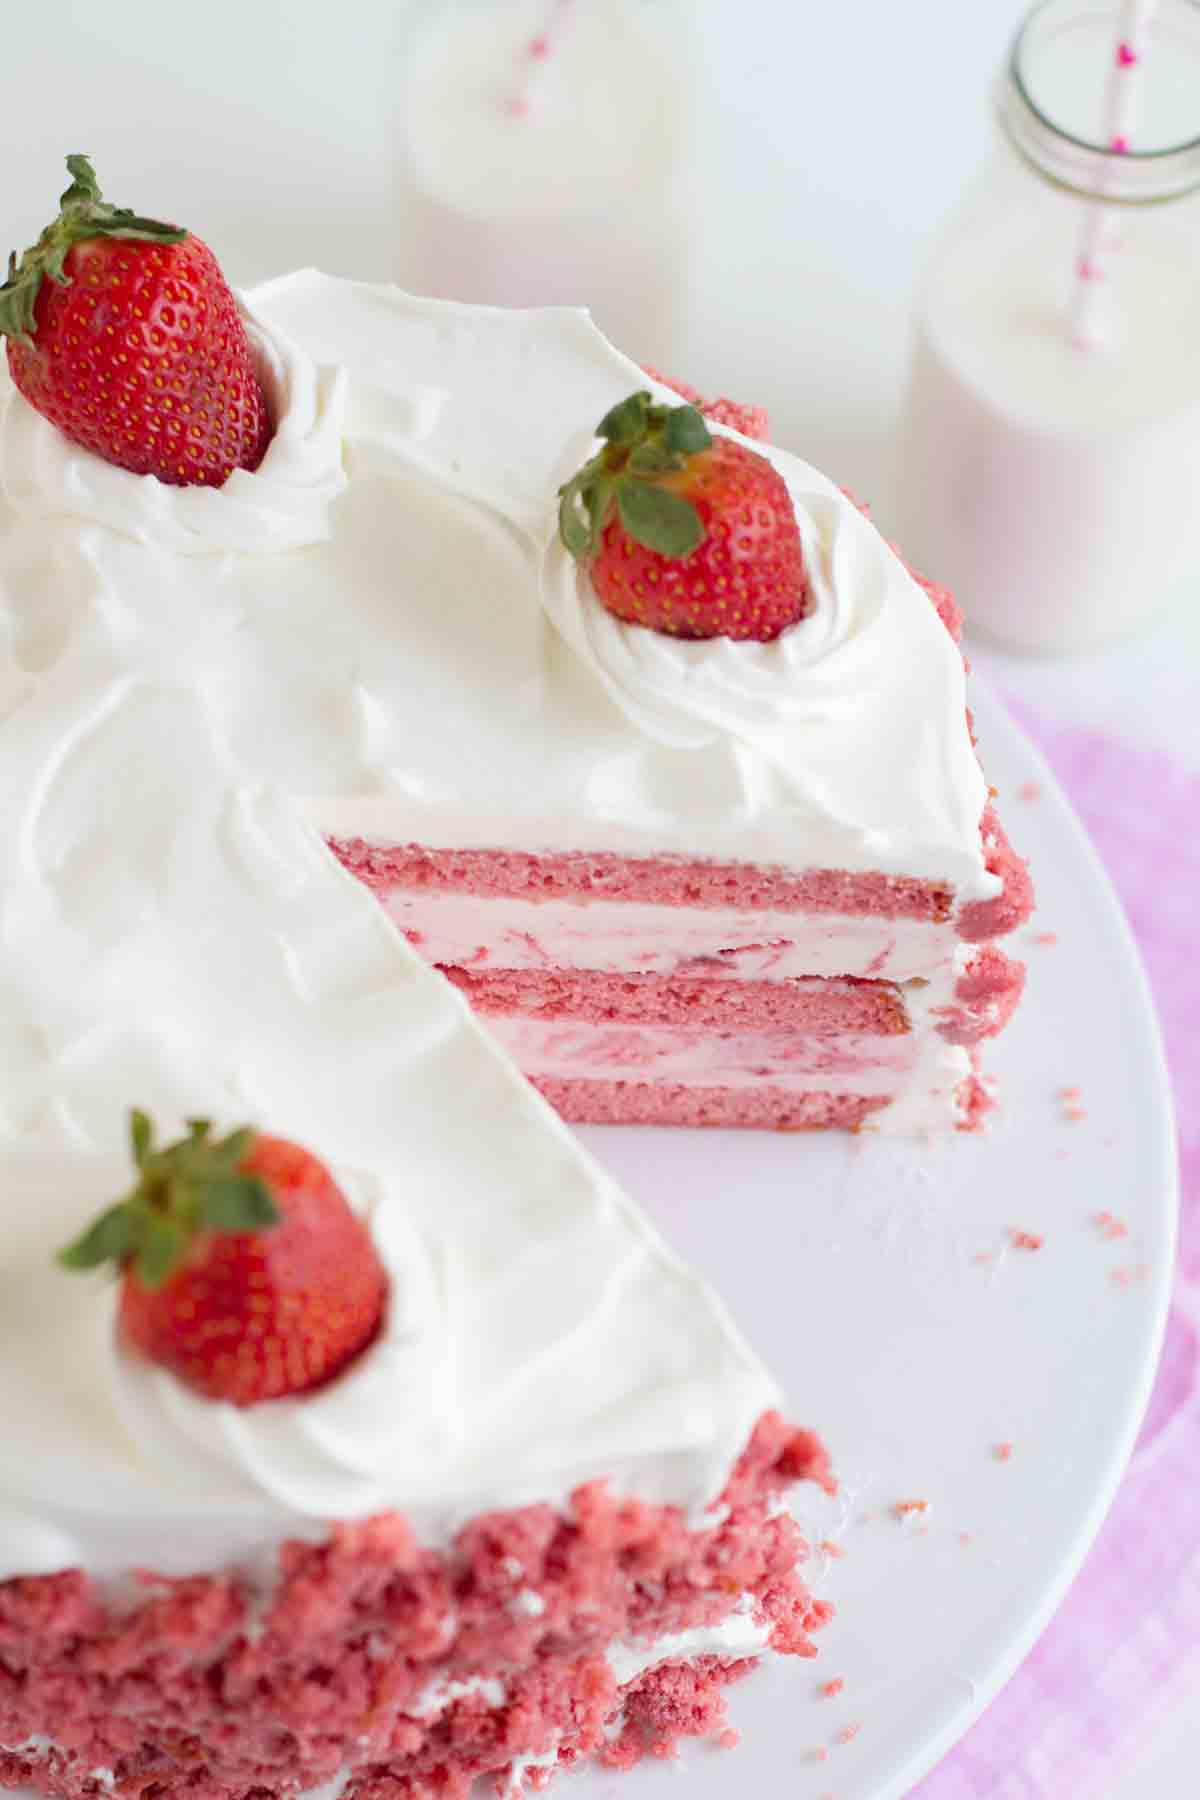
(643, 443)
(83, 214)
(189, 1187)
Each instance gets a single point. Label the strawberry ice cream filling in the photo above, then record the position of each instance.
(663, 991)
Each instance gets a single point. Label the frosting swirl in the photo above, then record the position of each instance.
(341, 1451)
(282, 505)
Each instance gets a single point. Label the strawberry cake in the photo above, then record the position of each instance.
(401, 1451)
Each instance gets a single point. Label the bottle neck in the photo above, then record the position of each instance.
(1050, 125)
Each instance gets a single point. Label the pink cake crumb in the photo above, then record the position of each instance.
(1025, 1240)
(829, 1690)
(728, 1739)
(986, 996)
(978, 1100)
(965, 1539)
(1129, 1277)
(1044, 938)
(1013, 904)
(1002, 1452)
(1071, 1102)
(1109, 1226)
(751, 421)
(832, 1549)
(410, 1666)
(818, 1754)
(848, 1733)
(669, 1703)
(1029, 791)
(945, 605)
(910, 1509)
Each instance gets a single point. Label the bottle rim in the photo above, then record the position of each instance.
(1118, 178)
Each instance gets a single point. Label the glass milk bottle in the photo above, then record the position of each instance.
(1050, 456)
(541, 147)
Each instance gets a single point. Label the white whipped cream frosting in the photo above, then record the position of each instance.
(817, 722)
(283, 505)
(468, 643)
(359, 634)
(465, 643)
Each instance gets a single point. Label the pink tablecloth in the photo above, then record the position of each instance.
(1128, 1634)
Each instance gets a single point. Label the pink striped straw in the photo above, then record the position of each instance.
(536, 55)
(1091, 311)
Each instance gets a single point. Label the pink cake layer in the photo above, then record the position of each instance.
(662, 880)
(413, 1670)
(818, 1007)
(761, 1108)
(982, 919)
(985, 996)
(692, 882)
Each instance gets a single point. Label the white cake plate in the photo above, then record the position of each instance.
(879, 1280)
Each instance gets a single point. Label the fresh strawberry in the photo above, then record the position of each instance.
(122, 332)
(688, 534)
(751, 421)
(243, 1270)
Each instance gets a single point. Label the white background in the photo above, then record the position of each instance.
(836, 139)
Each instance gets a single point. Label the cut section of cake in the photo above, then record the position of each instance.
(663, 992)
